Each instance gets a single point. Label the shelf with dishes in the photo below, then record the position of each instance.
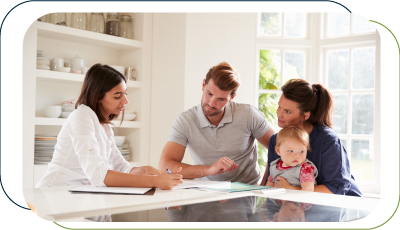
(54, 76)
(60, 122)
(68, 34)
(45, 147)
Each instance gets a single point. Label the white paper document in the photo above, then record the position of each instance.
(203, 184)
(116, 190)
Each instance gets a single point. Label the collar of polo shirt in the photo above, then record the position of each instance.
(204, 122)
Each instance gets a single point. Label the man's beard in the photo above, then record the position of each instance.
(211, 113)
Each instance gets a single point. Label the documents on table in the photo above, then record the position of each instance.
(241, 187)
(115, 190)
(203, 184)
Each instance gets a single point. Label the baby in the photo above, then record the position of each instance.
(292, 144)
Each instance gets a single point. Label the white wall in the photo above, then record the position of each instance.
(185, 47)
(168, 76)
(212, 38)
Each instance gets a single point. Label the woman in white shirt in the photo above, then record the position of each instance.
(86, 152)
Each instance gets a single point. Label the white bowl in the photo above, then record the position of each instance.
(127, 116)
(68, 108)
(65, 114)
(64, 69)
(119, 137)
(53, 107)
(52, 113)
(119, 142)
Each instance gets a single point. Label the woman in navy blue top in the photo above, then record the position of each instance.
(310, 107)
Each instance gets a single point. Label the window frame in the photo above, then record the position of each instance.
(282, 36)
(365, 186)
(324, 30)
(317, 44)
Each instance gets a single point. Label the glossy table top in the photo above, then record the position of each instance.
(262, 209)
(57, 204)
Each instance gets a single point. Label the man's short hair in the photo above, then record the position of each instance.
(225, 77)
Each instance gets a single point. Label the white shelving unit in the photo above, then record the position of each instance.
(43, 88)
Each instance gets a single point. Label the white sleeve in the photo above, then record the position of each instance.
(81, 128)
(117, 161)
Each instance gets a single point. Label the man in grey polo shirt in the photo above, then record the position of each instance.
(219, 133)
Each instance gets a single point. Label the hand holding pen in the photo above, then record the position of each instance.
(168, 181)
(174, 207)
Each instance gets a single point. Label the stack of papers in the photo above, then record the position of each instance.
(241, 187)
(203, 184)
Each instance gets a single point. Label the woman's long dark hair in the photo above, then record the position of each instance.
(98, 81)
(315, 99)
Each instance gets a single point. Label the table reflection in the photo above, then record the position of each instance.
(261, 209)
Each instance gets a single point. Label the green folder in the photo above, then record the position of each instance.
(240, 187)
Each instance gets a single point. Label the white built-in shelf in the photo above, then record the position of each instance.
(60, 121)
(69, 34)
(54, 76)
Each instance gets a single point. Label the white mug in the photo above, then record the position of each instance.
(84, 69)
(57, 63)
(131, 73)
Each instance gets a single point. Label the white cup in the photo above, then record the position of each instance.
(57, 63)
(84, 69)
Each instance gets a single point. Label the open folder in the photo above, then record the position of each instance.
(115, 190)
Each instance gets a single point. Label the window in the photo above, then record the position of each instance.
(278, 62)
(344, 24)
(350, 75)
(283, 25)
(344, 59)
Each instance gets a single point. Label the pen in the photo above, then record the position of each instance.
(169, 173)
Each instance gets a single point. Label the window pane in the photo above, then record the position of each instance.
(363, 68)
(361, 159)
(294, 65)
(338, 69)
(268, 103)
(338, 24)
(295, 25)
(362, 25)
(363, 114)
(344, 143)
(340, 114)
(271, 24)
(270, 73)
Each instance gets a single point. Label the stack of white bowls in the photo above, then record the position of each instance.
(128, 116)
(44, 148)
(52, 111)
(118, 68)
(42, 62)
(119, 140)
(123, 148)
(67, 108)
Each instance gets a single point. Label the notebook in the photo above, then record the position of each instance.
(241, 187)
(114, 190)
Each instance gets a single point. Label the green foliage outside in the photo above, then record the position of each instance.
(268, 103)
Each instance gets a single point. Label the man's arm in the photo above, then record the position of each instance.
(172, 155)
(171, 158)
(264, 140)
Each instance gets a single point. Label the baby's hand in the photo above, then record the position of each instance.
(282, 183)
